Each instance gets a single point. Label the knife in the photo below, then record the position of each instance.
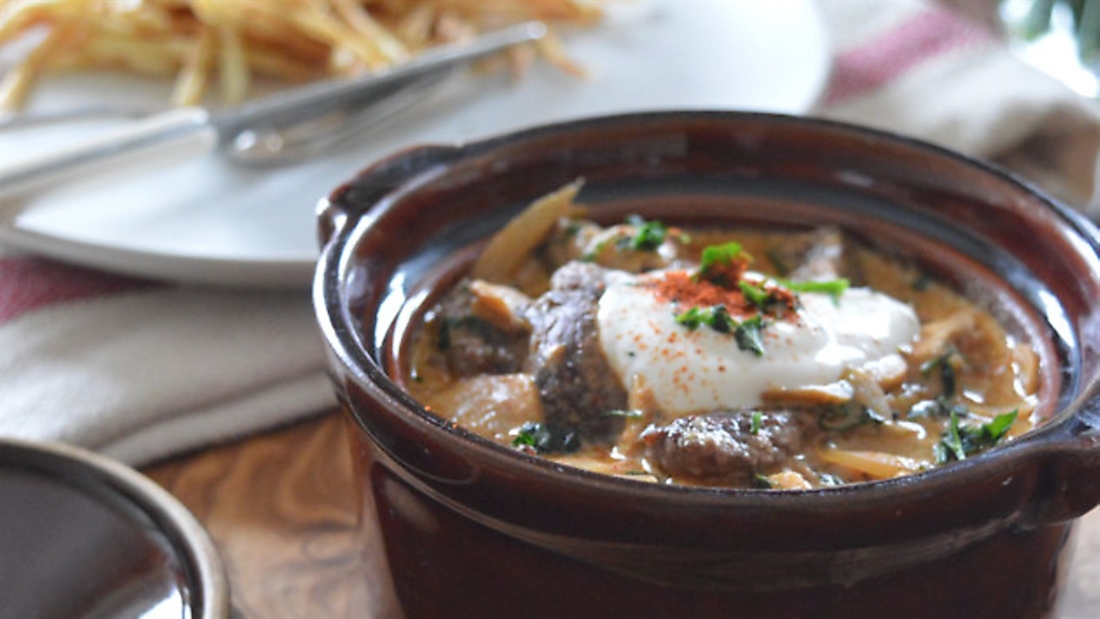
(194, 131)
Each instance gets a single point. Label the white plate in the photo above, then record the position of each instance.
(210, 221)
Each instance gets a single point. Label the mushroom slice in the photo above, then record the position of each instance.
(510, 247)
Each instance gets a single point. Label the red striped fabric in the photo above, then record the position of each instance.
(891, 54)
(27, 284)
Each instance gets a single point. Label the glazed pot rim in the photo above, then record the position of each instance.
(1077, 418)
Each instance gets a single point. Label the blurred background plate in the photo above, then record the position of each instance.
(211, 221)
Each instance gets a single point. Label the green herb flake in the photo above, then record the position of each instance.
(834, 287)
(939, 407)
(720, 319)
(757, 422)
(756, 294)
(545, 439)
(748, 333)
(721, 255)
(959, 441)
(848, 416)
(650, 234)
(761, 482)
(950, 446)
(749, 336)
(1000, 425)
(691, 318)
(717, 318)
(525, 438)
(946, 364)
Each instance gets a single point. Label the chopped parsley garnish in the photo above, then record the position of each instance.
(721, 255)
(755, 294)
(946, 364)
(749, 336)
(939, 407)
(650, 234)
(544, 439)
(722, 265)
(716, 318)
(756, 423)
(833, 287)
(959, 441)
(526, 437)
(771, 299)
(746, 333)
(848, 416)
(761, 482)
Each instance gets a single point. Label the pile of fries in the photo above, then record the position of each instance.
(222, 45)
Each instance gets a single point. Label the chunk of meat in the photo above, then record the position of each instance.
(475, 334)
(500, 306)
(576, 384)
(723, 448)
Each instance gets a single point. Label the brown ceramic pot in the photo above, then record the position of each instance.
(474, 529)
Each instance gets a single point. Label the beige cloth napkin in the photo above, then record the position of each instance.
(917, 68)
(141, 371)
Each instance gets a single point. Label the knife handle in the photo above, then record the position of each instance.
(171, 136)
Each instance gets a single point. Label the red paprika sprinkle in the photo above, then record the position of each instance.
(678, 287)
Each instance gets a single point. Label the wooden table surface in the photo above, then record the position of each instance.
(279, 509)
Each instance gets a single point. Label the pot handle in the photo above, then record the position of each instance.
(1071, 472)
(352, 200)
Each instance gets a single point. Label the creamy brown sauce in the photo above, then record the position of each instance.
(487, 358)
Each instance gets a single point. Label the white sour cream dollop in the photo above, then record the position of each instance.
(690, 371)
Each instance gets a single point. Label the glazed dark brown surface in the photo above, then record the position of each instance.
(853, 550)
(430, 544)
(289, 537)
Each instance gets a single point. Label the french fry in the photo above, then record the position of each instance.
(232, 66)
(514, 243)
(17, 84)
(191, 82)
(358, 18)
(231, 42)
